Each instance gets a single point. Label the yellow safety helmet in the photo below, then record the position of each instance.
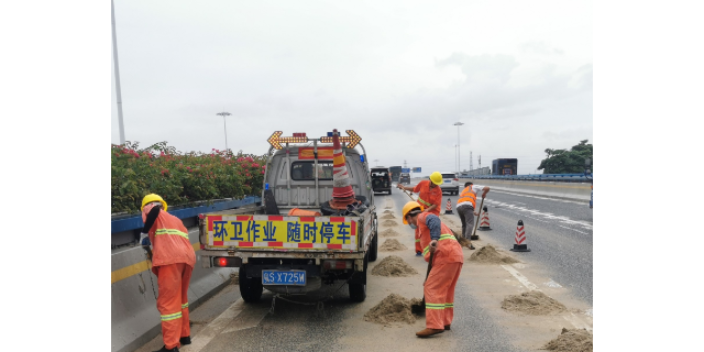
(408, 207)
(153, 198)
(436, 178)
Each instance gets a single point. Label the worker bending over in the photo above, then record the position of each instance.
(173, 260)
(447, 259)
(466, 204)
(429, 196)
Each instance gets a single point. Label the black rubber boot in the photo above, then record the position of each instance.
(164, 349)
(185, 340)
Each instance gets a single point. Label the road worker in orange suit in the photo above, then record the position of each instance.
(447, 259)
(430, 198)
(173, 259)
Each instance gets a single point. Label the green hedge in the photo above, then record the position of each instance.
(181, 178)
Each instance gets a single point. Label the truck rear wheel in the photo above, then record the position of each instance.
(374, 246)
(250, 288)
(358, 291)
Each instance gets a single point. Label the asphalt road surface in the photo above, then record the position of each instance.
(559, 235)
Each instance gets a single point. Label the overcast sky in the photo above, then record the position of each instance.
(400, 73)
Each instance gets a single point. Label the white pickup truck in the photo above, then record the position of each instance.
(280, 245)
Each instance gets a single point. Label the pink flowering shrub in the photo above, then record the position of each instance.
(180, 178)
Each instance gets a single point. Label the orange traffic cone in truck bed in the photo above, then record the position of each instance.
(342, 192)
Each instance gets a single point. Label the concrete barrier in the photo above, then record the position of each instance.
(135, 319)
(560, 190)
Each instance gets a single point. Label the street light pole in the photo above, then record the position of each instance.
(224, 114)
(117, 76)
(459, 165)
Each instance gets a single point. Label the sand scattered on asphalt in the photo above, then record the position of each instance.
(572, 341)
(390, 223)
(392, 309)
(387, 217)
(391, 245)
(533, 303)
(387, 211)
(393, 265)
(489, 255)
(389, 233)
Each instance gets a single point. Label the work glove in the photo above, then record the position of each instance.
(144, 239)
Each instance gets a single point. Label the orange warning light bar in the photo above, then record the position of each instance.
(275, 140)
(352, 140)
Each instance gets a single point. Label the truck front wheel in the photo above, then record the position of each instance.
(250, 288)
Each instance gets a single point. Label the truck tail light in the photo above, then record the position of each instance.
(201, 216)
(202, 246)
(456, 179)
(337, 264)
(227, 261)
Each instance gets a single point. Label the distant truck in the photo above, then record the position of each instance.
(295, 242)
(395, 173)
(381, 180)
(504, 167)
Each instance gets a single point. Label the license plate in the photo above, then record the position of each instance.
(447, 181)
(280, 277)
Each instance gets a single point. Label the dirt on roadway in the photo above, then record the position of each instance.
(393, 266)
(389, 233)
(392, 309)
(533, 303)
(392, 245)
(489, 255)
(572, 341)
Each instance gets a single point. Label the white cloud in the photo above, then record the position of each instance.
(398, 73)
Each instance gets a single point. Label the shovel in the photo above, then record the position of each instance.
(420, 308)
(474, 236)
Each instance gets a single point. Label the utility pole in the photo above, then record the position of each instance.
(404, 164)
(471, 162)
(458, 124)
(480, 162)
(117, 76)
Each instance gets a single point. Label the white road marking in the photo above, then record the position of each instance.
(536, 213)
(522, 279)
(571, 318)
(213, 328)
(584, 233)
(552, 283)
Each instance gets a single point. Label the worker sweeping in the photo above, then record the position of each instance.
(429, 196)
(466, 204)
(173, 259)
(439, 287)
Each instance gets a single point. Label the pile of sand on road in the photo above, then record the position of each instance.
(392, 309)
(572, 341)
(392, 245)
(390, 223)
(489, 255)
(388, 217)
(393, 265)
(533, 303)
(387, 211)
(389, 233)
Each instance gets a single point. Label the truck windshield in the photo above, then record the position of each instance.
(304, 170)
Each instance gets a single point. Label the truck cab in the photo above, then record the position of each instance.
(295, 242)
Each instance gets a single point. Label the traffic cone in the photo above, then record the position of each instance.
(484, 224)
(521, 244)
(448, 208)
(342, 192)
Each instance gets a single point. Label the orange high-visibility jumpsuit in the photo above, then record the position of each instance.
(439, 288)
(172, 262)
(427, 197)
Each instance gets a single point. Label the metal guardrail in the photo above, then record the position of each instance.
(135, 222)
(542, 177)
